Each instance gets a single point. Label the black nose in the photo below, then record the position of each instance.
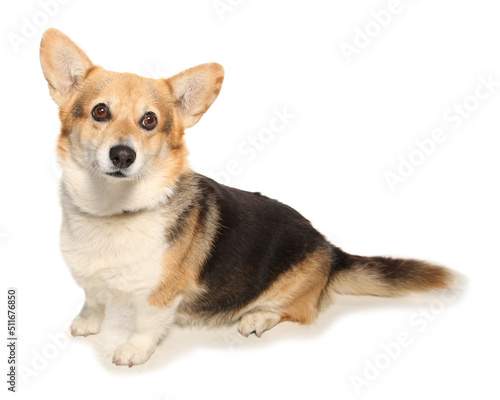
(122, 156)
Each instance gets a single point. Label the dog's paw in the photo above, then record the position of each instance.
(84, 326)
(128, 354)
(258, 322)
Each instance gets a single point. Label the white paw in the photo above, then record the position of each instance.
(84, 326)
(128, 354)
(258, 322)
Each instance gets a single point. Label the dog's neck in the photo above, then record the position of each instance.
(102, 196)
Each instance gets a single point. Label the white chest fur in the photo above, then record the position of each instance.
(116, 257)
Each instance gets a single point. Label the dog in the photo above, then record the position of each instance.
(142, 230)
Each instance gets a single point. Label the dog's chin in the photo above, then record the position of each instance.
(116, 174)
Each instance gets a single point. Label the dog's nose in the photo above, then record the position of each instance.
(122, 156)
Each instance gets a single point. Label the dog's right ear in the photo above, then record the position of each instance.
(64, 64)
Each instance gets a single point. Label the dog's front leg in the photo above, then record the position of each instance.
(89, 321)
(151, 324)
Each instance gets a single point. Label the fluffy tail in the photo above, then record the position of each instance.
(385, 276)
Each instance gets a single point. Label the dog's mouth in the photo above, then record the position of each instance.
(116, 174)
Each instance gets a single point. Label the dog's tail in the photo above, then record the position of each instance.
(385, 276)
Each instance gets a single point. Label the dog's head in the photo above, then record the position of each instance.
(119, 127)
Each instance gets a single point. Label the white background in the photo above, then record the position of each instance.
(352, 123)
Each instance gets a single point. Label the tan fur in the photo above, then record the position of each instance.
(369, 276)
(188, 110)
(362, 281)
(114, 226)
(61, 72)
(181, 265)
(78, 86)
(298, 294)
(138, 231)
(183, 261)
(122, 86)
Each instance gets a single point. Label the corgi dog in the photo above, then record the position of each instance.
(142, 230)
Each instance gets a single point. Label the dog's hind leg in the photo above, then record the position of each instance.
(258, 322)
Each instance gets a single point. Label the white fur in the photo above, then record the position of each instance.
(151, 324)
(89, 321)
(92, 191)
(101, 195)
(113, 229)
(116, 257)
(257, 322)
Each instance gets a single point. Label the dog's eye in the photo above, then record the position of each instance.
(101, 112)
(149, 121)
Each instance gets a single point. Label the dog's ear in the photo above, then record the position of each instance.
(195, 89)
(64, 64)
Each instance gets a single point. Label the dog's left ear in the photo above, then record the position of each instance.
(195, 89)
(64, 64)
